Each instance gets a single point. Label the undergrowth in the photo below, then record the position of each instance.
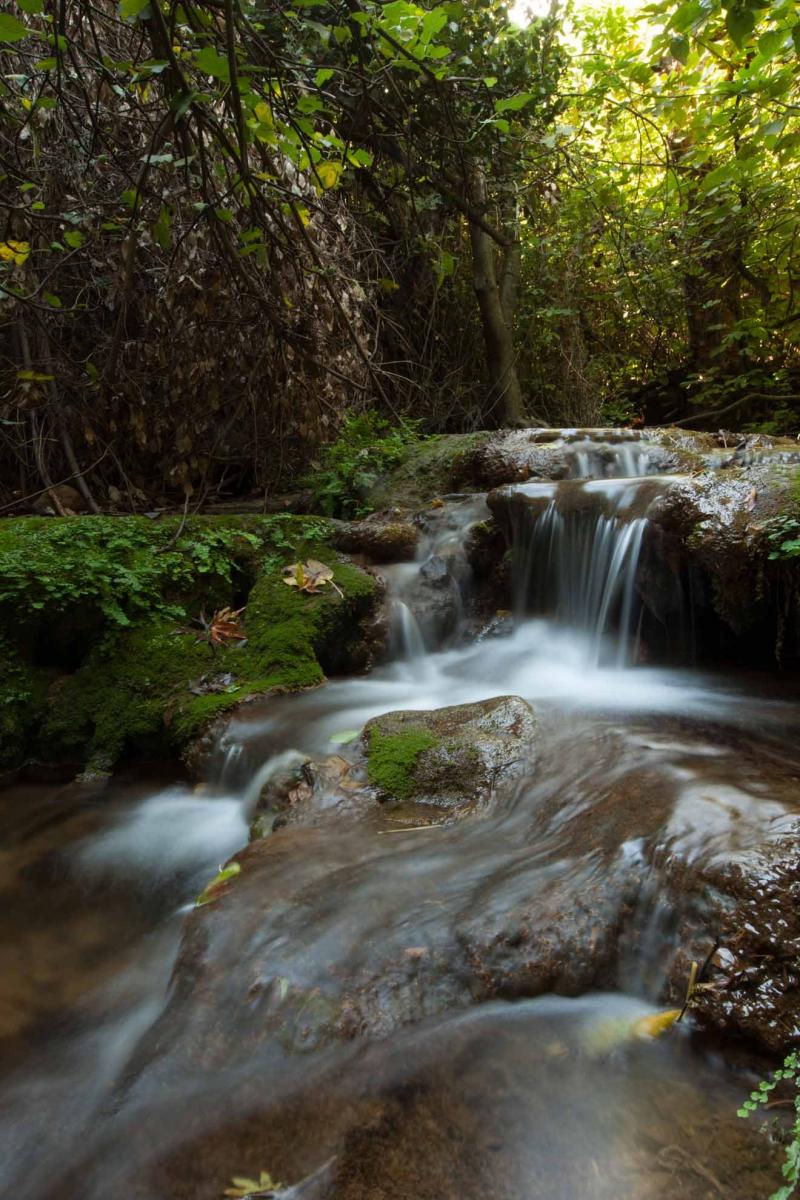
(366, 447)
(759, 1099)
(783, 531)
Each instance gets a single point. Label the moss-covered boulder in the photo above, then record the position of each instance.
(450, 758)
(384, 538)
(110, 644)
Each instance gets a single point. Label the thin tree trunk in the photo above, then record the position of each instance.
(505, 397)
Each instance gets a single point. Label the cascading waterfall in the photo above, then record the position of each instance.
(577, 547)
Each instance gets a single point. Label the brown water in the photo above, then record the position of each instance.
(373, 1012)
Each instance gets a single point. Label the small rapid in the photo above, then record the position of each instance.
(448, 1011)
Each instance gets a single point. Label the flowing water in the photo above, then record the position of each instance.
(124, 1075)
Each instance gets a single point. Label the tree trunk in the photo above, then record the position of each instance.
(497, 313)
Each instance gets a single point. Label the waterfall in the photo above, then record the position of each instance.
(577, 546)
(407, 641)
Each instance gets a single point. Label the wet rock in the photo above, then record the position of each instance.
(435, 603)
(713, 528)
(452, 758)
(381, 538)
(742, 921)
(435, 571)
(314, 793)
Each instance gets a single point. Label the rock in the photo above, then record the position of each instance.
(435, 571)
(434, 598)
(750, 910)
(451, 758)
(710, 532)
(313, 793)
(69, 498)
(382, 540)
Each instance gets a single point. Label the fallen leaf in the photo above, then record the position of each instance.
(344, 737)
(654, 1025)
(241, 1186)
(213, 890)
(309, 576)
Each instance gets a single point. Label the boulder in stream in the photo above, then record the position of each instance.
(451, 758)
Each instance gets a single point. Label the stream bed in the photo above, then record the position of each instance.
(394, 1012)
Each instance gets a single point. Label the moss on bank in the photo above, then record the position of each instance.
(100, 657)
(430, 468)
(393, 757)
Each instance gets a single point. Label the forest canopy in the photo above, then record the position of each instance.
(226, 224)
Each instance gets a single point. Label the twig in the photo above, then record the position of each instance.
(41, 491)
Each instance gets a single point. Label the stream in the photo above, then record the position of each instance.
(139, 1060)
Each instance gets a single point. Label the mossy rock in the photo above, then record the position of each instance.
(133, 675)
(430, 468)
(453, 758)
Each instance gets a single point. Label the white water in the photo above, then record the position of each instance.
(578, 573)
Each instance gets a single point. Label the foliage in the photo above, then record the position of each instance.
(392, 758)
(125, 569)
(662, 240)
(783, 535)
(103, 668)
(759, 1099)
(367, 446)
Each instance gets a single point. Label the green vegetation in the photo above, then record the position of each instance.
(590, 218)
(104, 655)
(366, 447)
(393, 757)
(759, 1099)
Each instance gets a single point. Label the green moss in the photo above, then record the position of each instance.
(393, 757)
(23, 693)
(142, 682)
(430, 468)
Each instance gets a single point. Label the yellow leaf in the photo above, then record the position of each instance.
(16, 252)
(328, 173)
(654, 1025)
(263, 112)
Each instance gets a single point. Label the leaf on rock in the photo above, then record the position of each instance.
(309, 576)
(213, 890)
(242, 1187)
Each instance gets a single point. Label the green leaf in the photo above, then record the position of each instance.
(490, 80)
(513, 103)
(52, 300)
(679, 49)
(31, 6)
(216, 886)
(162, 231)
(740, 23)
(11, 29)
(129, 9)
(771, 43)
(74, 238)
(210, 62)
(432, 23)
(323, 76)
